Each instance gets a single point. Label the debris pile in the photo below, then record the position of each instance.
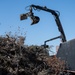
(18, 59)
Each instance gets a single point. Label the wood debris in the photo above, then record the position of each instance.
(17, 59)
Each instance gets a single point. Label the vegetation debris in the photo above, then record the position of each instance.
(19, 59)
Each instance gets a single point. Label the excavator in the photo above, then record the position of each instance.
(66, 50)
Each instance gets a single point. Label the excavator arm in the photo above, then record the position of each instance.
(35, 20)
(57, 20)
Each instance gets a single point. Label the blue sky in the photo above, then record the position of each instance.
(10, 11)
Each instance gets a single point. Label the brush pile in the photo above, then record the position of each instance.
(18, 59)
